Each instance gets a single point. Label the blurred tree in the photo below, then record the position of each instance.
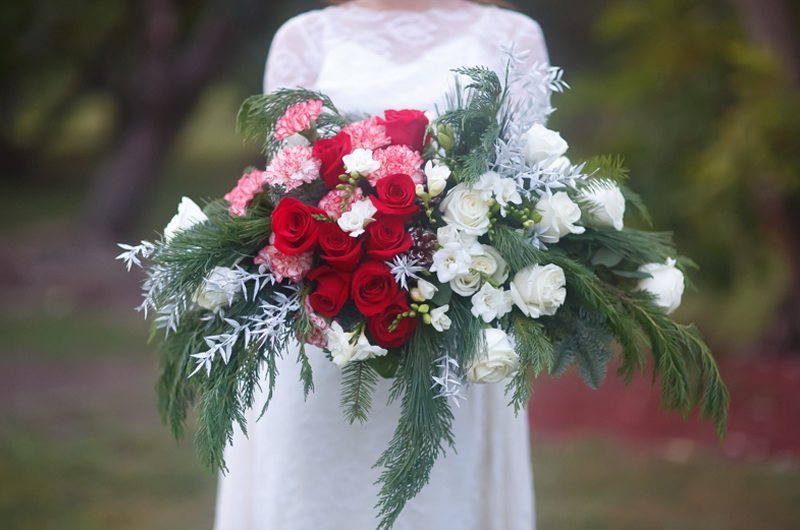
(702, 97)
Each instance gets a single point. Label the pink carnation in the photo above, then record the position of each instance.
(333, 203)
(297, 118)
(282, 265)
(318, 327)
(248, 187)
(368, 134)
(397, 159)
(292, 167)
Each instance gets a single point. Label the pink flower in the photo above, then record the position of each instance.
(333, 203)
(248, 187)
(368, 134)
(282, 265)
(292, 167)
(297, 118)
(397, 159)
(318, 326)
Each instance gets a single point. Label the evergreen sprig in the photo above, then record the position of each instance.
(638, 246)
(535, 351)
(358, 384)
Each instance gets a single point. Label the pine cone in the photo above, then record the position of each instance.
(423, 246)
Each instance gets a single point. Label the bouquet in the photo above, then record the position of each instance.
(440, 250)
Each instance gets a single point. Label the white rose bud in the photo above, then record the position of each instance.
(360, 161)
(219, 289)
(466, 209)
(604, 204)
(559, 215)
(426, 289)
(357, 218)
(666, 284)
(539, 290)
(491, 303)
(189, 214)
(436, 175)
(497, 362)
(543, 144)
(439, 319)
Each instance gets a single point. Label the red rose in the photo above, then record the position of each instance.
(373, 288)
(295, 229)
(331, 292)
(406, 127)
(387, 237)
(396, 195)
(378, 325)
(338, 248)
(330, 151)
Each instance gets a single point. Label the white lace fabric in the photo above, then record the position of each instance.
(302, 467)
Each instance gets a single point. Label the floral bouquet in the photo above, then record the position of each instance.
(439, 250)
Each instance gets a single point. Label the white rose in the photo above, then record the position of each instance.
(604, 204)
(436, 175)
(450, 261)
(439, 319)
(451, 234)
(360, 161)
(218, 289)
(542, 144)
(488, 261)
(466, 209)
(466, 284)
(497, 362)
(490, 303)
(559, 215)
(189, 214)
(357, 218)
(539, 290)
(559, 164)
(666, 284)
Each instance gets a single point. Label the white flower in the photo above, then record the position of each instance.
(466, 284)
(486, 260)
(436, 175)
(490, 303)
(451, 234)
(189, 214)
(505, 193)
(295, 140)
(357, 218)
(218, 289)
(450, 261)
(426, 290)
(666, 284)
(466, 209)
(605, 204)
(497, 362)
(561, 163)
(360, 161)
(559, 215)
(485, 184)
(539, 290)
(543, 144)
(344, 350)
(439, 319)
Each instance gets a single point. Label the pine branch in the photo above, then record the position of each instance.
(638, 246)
(423, 429)
(358, 384)
(535, 353)
(607, 167)
(583, 340)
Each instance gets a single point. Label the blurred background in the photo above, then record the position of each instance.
(113, 109)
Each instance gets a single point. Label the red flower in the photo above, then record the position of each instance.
(406, 127)
(387, 237)
(338, 248)
(331, 292)
(396, 195)
(378, 325)
(373, 288)
(330, 151)
(295, 229)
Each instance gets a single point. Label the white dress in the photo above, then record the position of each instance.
(303, 467)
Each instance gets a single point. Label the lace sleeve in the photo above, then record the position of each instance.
(293, 58)
(527, 36)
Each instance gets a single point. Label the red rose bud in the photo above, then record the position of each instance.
(295, 230)
(338, 248)
(387, 237)
(332, 289)
(396, 196)
(379, 325)
(373, 288)
(329, 151)
(406, 127)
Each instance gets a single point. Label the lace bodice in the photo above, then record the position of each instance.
(368, 60)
